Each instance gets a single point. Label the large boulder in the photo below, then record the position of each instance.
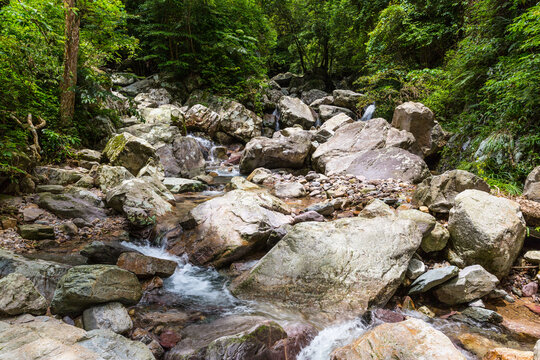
(308, 97)
(532, 185)
(352, 140)
(140, 201)
(87, 285)
(347, 99)
(472, 283)
(329, 111)
(156, 135)
(232, 226)
(98, 252)
(333, 270)
(412, 339)
(434, 235)
(18, 295)
(293, 111)
(111, 316)
(81, 204)
(389, 163)
(438, 192)
(183, 158)
(146, 266)
(44, 274)
(289, 148)
(420, 121)
(108, 177)
(57, 176)
(129, 151)
(485, 230)
(39, 338)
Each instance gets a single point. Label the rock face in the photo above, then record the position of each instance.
(334, 266)
(39, 338)
(184, 158)
(289, 148)
(146, 266)
(472, 283)
(420, 121)
(245, 222)
(353, 140)
(19, 296)
(532, 185)
(140, 201)
(112, 316)
(87, 285)
(408, 340)
(44, 274)
(70, 205)
(485, 230)
(389, 163)
(232, 337)
(293, 111)
(439, 192)
(129, 151)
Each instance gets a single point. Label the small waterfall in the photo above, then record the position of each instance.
(317, 120)
(277, 117)
(368, 113)
(208, 147)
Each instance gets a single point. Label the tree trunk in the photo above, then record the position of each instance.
(71, 55)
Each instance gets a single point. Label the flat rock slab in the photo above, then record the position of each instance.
(36, 232)
(432, 278)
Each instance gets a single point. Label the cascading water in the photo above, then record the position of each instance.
(214, 163)
(368, 114)
(277, 117)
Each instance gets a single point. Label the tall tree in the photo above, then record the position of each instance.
(71, 55)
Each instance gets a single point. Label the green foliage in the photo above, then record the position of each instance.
(57, 147)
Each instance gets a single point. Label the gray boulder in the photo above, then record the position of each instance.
(184, 158)
(57, 176)
(435, 236)
(289, 190)
(129, 151)
(483, 315)
(432, 278)
(308, 97)
(289, 148)
(112, 316)
(107, 177)
(438, 192)
(472, 282)
(532, 185)
(329, 111)
(36, 232)
(347, 99)
(293, 111)
(18, 295)
(246, 222)
(485, 230)
(146, 266)
(332, 270)
(87, 285)
(81, 204)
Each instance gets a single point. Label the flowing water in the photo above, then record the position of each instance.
(368, 114)
(277, 117)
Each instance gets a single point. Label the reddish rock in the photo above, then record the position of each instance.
(146, 266)
(169, 338)
(234, 159)
(388, 316)
(530, 289)
(154, 283)
(508, 354)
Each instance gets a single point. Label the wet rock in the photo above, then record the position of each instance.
(334, 266)
(485, 230)
(76, 204)
(432, 278)
(472, 282)
(529, 289)
(289, 190)
(184, 158)
(36, 232)
(36, 338)
(56, 176)
(19, 296)
(415, 269)
(289, 148)
(420, 121)
(407, 340)
(112, 316)
(146, 266)
(44, 274)
(140, 201)
(99, 252)
(308, 216)
(244, 336)
(438, 193)
(508, 354)
(293, 111)
(169, 338)
(353, 140)
(532, 185)
(179, 185)
(246, 221)
(347, 99)
(329, 111)
(129, 151)
(88, 285)
(483, 315)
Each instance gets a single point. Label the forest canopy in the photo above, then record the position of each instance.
(476, 64)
